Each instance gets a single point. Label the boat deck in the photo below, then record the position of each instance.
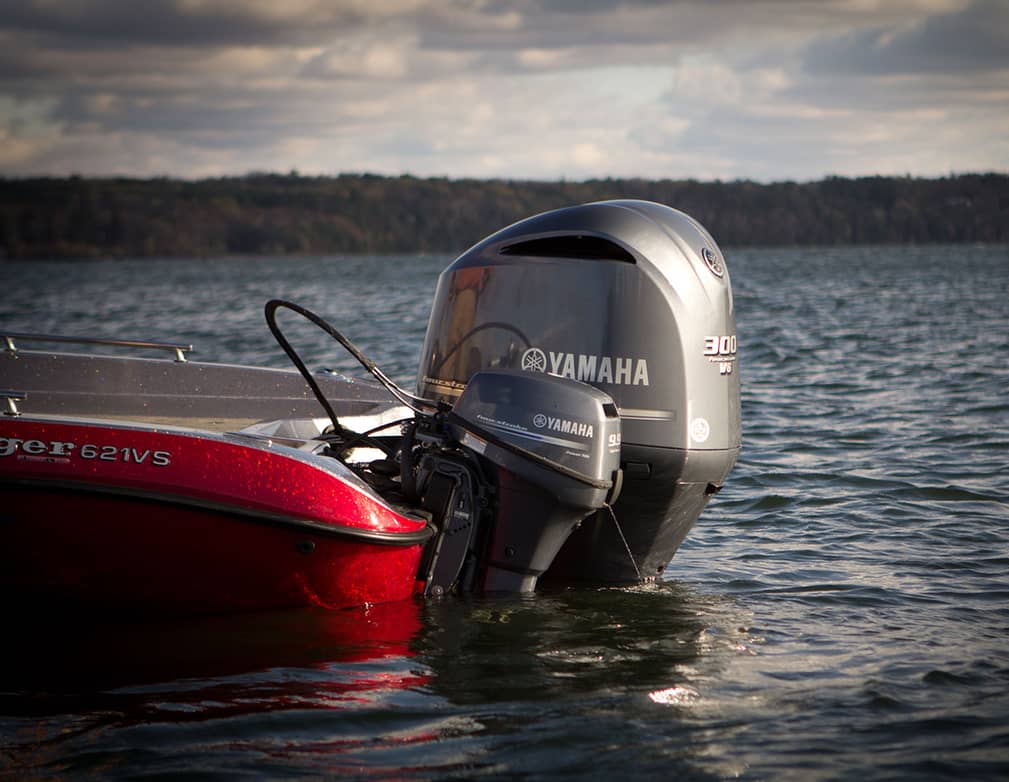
(165, 392)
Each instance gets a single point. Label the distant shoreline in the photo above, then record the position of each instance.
(363, 214)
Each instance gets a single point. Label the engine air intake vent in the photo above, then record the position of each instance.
(570, 246)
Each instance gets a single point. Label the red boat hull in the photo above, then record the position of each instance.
(201, 524)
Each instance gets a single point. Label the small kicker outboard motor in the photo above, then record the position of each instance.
(508, 474)
(634, 298)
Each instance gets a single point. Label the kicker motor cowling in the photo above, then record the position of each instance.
(634, 298)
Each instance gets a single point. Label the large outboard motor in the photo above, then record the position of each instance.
(538, 454)
(634, 298)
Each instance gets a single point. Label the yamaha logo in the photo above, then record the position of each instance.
(564, 425)
(534, 360)
(587, 367)
(700, 430)
(712, 262)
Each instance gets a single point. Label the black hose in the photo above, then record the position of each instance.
(271, 320)
(417, 404)
(349, 439)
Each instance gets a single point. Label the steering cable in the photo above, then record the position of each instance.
(417, 404)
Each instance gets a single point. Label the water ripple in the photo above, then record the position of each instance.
(839, 611)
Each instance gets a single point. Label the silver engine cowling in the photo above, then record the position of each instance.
(634, 298)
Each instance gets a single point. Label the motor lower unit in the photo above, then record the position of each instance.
(634, 298)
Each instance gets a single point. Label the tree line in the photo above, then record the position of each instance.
(281, 214)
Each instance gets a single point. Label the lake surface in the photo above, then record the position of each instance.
(840, 610)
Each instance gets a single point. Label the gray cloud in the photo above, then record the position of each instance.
(973, 39)
(174, 23)
(541, 88)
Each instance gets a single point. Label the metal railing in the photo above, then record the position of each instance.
(13, 397)
(179, 349)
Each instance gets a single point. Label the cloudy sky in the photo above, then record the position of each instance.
(543, 89)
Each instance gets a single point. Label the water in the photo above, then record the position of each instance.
(840, 611)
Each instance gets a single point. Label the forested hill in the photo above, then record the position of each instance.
(284, 214)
